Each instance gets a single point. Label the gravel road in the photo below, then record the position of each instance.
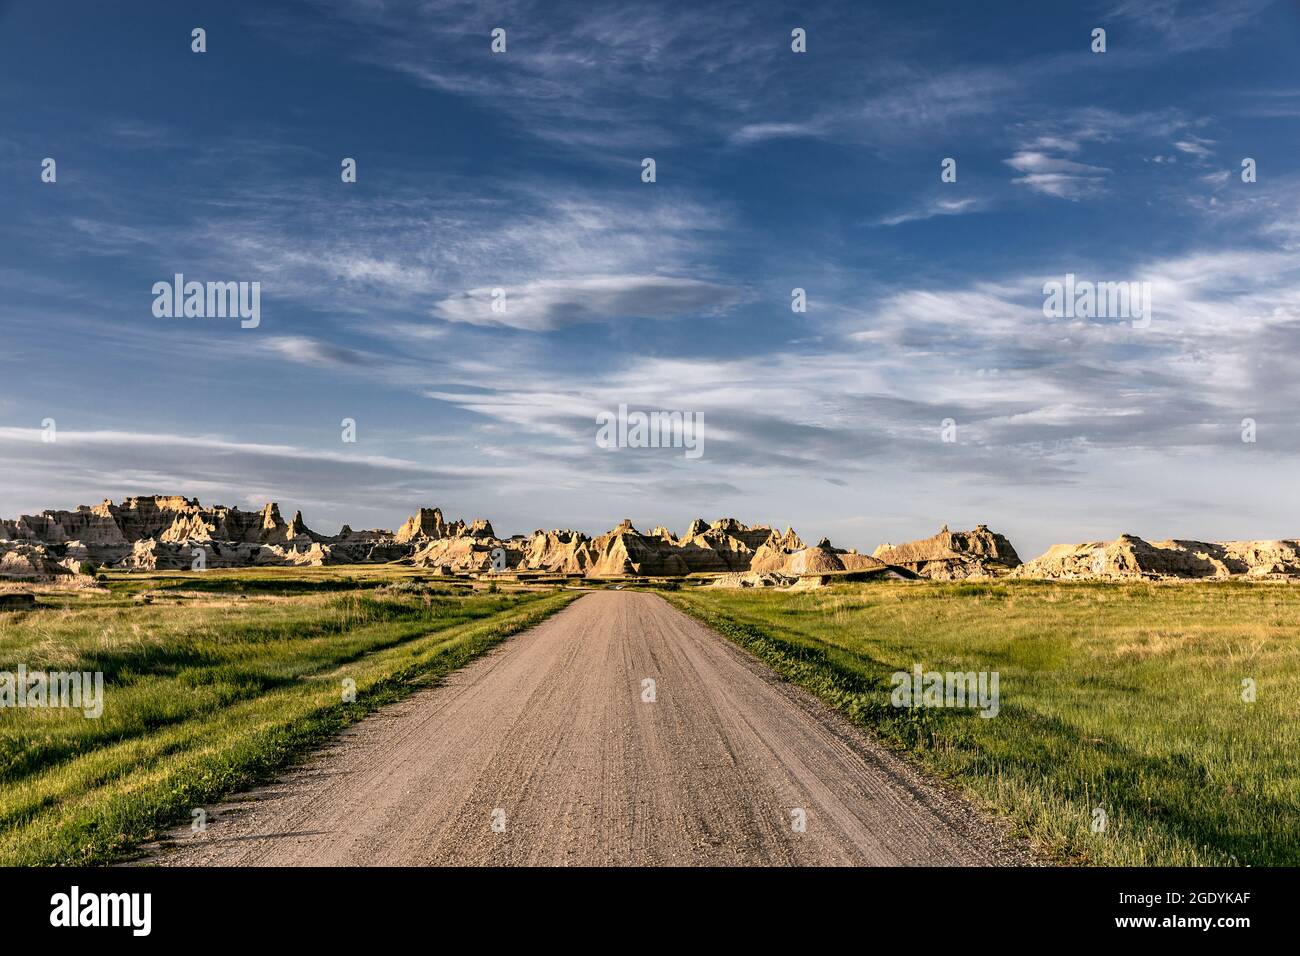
(554, 749)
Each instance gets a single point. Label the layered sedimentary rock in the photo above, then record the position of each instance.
(90, 525)
(754, 579)
(787, 555)
(559, 552)
(154, 555)
(463, 554)
(724, 546)
(109, 534)
(427, 524)
(176, 533)
(162, 532)
(953, 555)
(1130, 557)
(27, 561)
(625, 551)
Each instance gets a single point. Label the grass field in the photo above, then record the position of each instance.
(1123, 697)
(212, 682)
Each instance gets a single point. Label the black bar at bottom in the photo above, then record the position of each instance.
(926, 906)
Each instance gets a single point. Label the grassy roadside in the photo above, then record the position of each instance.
(1123, 698)
(209, 691)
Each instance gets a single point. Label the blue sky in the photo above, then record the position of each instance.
(775, 170)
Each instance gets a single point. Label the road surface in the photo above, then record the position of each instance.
(554, 748)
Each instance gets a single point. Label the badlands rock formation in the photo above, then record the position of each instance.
(170, 532)
(22, 560)
(726, 545)
(428, 525)
(163, 518)
(1128, 557)
(954, 555)
(159, 532)
(822, 558)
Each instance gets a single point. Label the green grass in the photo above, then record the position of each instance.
(1126, 697)
(212, 683)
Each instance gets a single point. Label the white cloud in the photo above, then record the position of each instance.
(563, 255)
(84, 466)
(757, 132)
(1195, 146)
(1187, 25)
(158, 440)
(548, 304)
(310, 351)
(935, 207)
(1025, 388)
(1054, 176)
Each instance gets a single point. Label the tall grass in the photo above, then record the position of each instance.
(206, 691)
(1126, 698)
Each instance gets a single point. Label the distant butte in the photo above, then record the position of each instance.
(152, 533)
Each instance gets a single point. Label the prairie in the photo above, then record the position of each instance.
(212, 682)
(1125, 735)
(1135, 723)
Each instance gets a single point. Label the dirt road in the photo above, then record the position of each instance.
(554, 749)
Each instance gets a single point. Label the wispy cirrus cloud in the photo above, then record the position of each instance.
(1056, 176)
(1195, 147)
(1037, 399)
(1271, 103)
(547, 304)
(1187, 25)
(758, 132)
(562, 256)
(311, 351)
(935, 207)
(1048, 156)
(86, 465)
